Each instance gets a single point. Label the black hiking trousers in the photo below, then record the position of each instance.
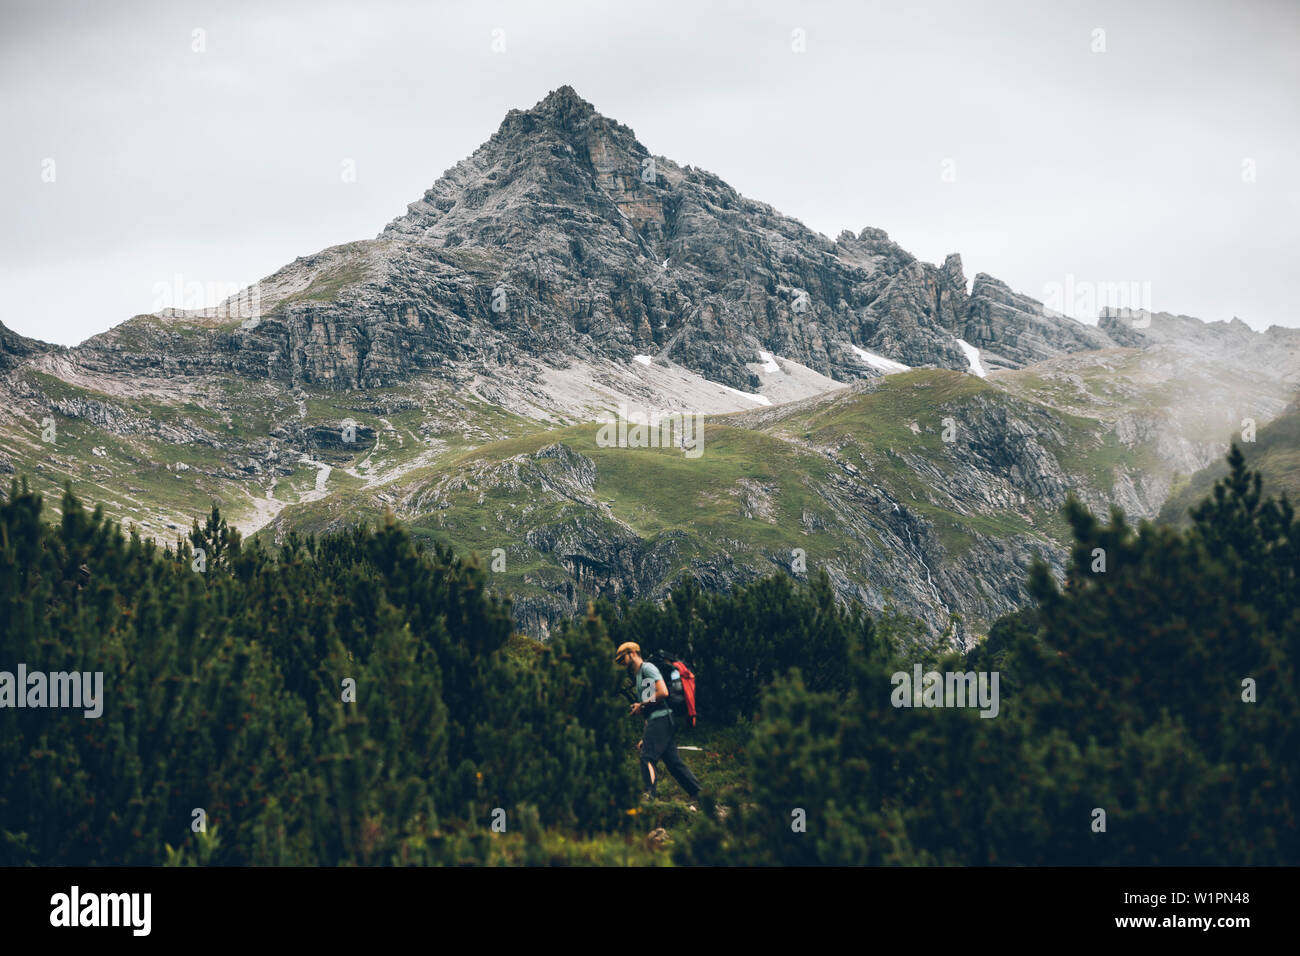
(658, 742)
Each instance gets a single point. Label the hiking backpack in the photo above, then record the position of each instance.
(681, 685)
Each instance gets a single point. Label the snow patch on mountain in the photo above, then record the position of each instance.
(973, 356)
(885, 365)
(760, 399)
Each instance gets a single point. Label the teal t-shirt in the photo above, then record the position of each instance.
(647, 677)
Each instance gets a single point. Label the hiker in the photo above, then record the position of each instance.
(657, 739)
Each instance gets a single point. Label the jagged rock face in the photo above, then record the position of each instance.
(579, 220)
(563, 236)
(1013, 330)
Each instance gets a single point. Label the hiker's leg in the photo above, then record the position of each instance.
(678, 768)
(656, 738)
(647, 769)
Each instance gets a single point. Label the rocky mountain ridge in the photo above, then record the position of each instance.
(563, 238)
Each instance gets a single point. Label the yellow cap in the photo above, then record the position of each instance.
(627, 647)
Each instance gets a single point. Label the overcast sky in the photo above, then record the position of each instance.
(996, 130)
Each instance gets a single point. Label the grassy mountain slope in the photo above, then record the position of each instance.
(862, 483)
(157, 454)
(931, 490)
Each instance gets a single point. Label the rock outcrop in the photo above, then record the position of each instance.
(1012, 330)
(15, 348)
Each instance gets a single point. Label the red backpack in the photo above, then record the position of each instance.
(681, 689)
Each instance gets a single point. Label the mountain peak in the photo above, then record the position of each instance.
(560, 154)
(561, 110)
(602, 248)
(563, 100)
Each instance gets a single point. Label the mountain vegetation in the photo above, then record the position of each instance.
(358, 698)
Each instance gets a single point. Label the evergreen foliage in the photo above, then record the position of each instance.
(1123, 691)
(224, 690)
(1126, 689)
